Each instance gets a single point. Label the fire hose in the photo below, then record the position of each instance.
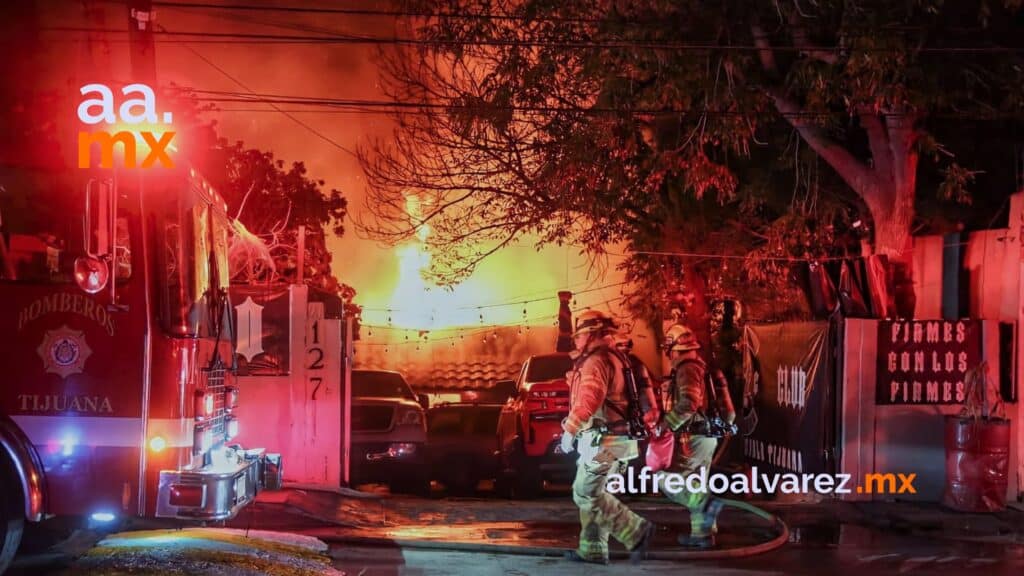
(675, 555)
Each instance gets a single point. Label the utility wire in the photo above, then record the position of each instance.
(240, 38)
(287, 114)
(478, 15)
(340, 105)
(387, 13)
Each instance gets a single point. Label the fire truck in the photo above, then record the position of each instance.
(118, 394)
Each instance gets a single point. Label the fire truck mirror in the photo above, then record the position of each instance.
(99, 218)
(91, 274)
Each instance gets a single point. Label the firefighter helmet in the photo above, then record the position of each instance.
(592, 321)
(681, 339)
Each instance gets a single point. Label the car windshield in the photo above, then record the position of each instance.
(543, 368)
(380, 385)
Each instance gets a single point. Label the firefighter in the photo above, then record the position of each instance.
(649, 402)
(684, 403)
(596, 424)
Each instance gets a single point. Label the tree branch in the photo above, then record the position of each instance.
(764, 52)
(802, 41)
(851, 170)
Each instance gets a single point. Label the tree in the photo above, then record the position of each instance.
(271, 200)
(594, 123)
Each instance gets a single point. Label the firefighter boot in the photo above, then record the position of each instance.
(574, 556)
(703, 526)
(639, 552)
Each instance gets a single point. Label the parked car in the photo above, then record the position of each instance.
(389, 432)
(462, 444)
(530, 426)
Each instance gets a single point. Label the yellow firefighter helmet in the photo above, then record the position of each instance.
(681, 339)
(592, 321)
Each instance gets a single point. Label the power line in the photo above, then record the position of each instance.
(232, 97)
(384, 111)
(387, 13)
(342, 105)
(240, 38)
(288, 115)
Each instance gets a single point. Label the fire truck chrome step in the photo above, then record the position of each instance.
(217, 493)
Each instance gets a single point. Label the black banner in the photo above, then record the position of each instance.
(262, 329)
(926, 361)
(789, 372)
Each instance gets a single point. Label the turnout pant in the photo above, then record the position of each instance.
(691, 454)
(601, 514)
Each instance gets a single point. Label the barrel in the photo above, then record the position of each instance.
(977, 464)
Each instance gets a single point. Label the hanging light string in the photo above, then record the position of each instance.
(423, 338)
(517, 302)
(740, 257)
(520, 321)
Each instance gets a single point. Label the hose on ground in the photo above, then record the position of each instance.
(670, 555)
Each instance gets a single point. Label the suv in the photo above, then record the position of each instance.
(463, 444)
(389, 432)
(530, 426)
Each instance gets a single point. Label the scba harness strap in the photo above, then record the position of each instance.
(707, 419)
(631, 421)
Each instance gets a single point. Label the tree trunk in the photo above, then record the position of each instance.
(696, 313)
(893, 219)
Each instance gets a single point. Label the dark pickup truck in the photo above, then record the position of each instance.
(462, 444)
(389, 432)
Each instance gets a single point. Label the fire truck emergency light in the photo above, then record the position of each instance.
(232, 427)
(231, 397)
(204, 405)
(203, 440)
(157, 443)
(103, 517)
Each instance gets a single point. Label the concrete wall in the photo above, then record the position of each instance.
(902, 439)
(300, 414)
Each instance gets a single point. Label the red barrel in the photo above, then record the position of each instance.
(977, 464)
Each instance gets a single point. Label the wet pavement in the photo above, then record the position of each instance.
(825, 538)
(382, 535)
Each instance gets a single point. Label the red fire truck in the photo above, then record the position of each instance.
(117, 390)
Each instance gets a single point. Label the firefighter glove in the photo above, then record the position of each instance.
(567, 443)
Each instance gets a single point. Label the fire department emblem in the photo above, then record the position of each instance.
(64, 351)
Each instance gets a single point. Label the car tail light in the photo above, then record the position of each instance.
(546, 394)
(231, 397)
(204, 404)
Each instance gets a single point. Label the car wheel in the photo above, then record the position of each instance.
(12, 516)
(525, 479)
(414, 484)
(528, 483)
(460, 478)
